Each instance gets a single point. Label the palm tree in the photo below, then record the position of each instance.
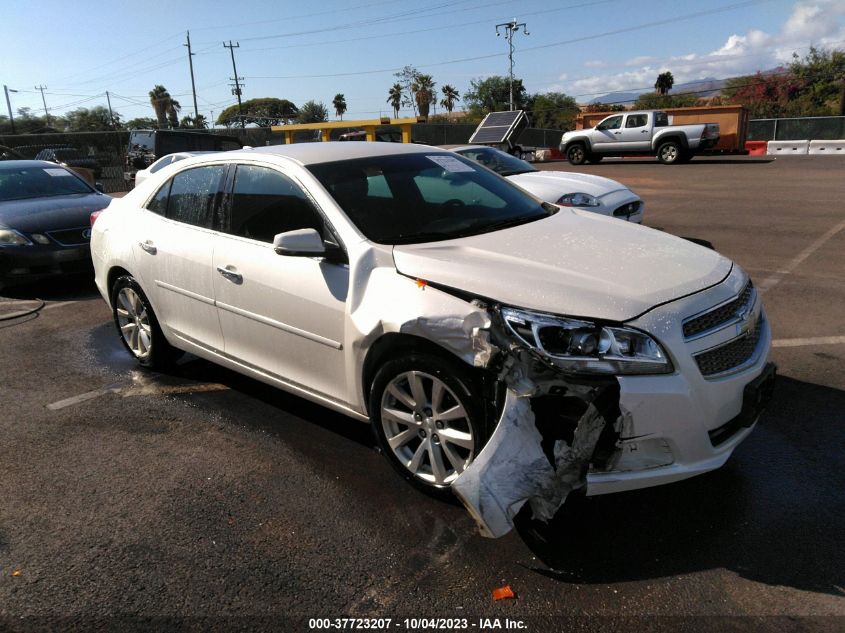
(423, 89)
(339, 104)
(395, 99)
(173, 112)
(450, 95)
(160, 100)
(664, 83)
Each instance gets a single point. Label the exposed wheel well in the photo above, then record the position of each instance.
(394, 345)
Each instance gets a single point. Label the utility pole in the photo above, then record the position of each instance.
(509, 29)
(7, 90)
(111, 116)
(44, 101)
(193, 86)
(211, 123)
(236, 90)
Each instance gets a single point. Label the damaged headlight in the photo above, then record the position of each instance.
(584, 347)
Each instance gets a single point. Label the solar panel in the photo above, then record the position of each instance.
(497, 127)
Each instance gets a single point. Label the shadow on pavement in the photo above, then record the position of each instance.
(774, 514)
(64, 288)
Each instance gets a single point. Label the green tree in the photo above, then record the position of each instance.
(96, 119)
(654, 101)
(162, 104)
(394, 98)
(198, 122)
(339, 103)
(264, 111)
(26, 122)
(493, 95)
(173, 113)
(406, 78)
(664, 83)
(450, 95)
(605, 107)
(423, 89)
(313, 112)
(554, 110)
(141, 123)
(821, 75)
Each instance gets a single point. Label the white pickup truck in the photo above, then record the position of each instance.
(646, 132)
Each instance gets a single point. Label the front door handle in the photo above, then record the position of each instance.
(617, 132)
(231, 275)
(644, 132)
(149, 247)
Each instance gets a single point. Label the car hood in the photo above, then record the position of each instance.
(574, 263)
(551, 185)
(48, 214)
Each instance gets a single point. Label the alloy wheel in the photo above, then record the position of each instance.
(134, 323)
(427, 427)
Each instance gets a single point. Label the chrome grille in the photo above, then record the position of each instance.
(627, 209)
(730, 355)
(72, 237)
(720, 315)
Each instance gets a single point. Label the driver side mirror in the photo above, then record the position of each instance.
(99, 187)
(306, 243)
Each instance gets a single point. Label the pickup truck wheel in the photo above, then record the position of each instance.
(426, 419)
(576, 154)
(669, 153)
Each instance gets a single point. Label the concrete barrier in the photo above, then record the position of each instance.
(787, 148)
(756, 148)
(828, 148)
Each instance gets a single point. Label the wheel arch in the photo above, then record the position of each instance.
(680, 139)
(114, 273)
(578, 140)
(393, 345)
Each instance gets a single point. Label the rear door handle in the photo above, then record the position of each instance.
(231, 275)
(149, 247)
(617, 132)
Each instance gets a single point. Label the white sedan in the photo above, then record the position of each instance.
(583, 191)
(168, 159)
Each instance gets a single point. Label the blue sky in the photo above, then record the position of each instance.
(301, 51)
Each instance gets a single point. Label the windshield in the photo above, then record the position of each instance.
(39, 182)
(502, 163)
(415, 198)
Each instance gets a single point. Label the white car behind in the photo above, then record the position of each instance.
(582, 191)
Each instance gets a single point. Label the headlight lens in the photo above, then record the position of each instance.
(584, 347)
(8, 237)
(578, 200)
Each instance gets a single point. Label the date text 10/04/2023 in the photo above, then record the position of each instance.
(416, 624)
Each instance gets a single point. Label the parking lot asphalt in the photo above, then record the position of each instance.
(204, 495)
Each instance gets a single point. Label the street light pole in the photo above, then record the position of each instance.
(509, 28)
(7, 90)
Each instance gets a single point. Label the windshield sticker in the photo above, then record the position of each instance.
(54, 171)
(450, 163)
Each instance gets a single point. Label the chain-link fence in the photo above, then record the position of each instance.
(822, 128)
(104, 153)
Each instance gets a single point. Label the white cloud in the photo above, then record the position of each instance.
(595, 63)
(820, 23)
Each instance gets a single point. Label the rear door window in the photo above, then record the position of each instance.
(190, 196)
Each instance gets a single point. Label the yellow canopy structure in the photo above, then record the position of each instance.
(368, 125)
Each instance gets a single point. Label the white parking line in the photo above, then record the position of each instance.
(778, 276)
(804, 342)
(89, 395)
(60, 304)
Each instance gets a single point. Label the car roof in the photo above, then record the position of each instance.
(318, 152)
(20, 164)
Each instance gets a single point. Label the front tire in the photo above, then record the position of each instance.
(138, 326)
(576, 154)
(669, 153)
(426, 420)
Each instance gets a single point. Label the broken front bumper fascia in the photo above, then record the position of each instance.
(636, 431)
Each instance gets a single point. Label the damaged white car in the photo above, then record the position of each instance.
(502, 347)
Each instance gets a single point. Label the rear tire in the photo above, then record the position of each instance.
(669, 153)
(426, 419)
(576, 154)
(137, 326)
